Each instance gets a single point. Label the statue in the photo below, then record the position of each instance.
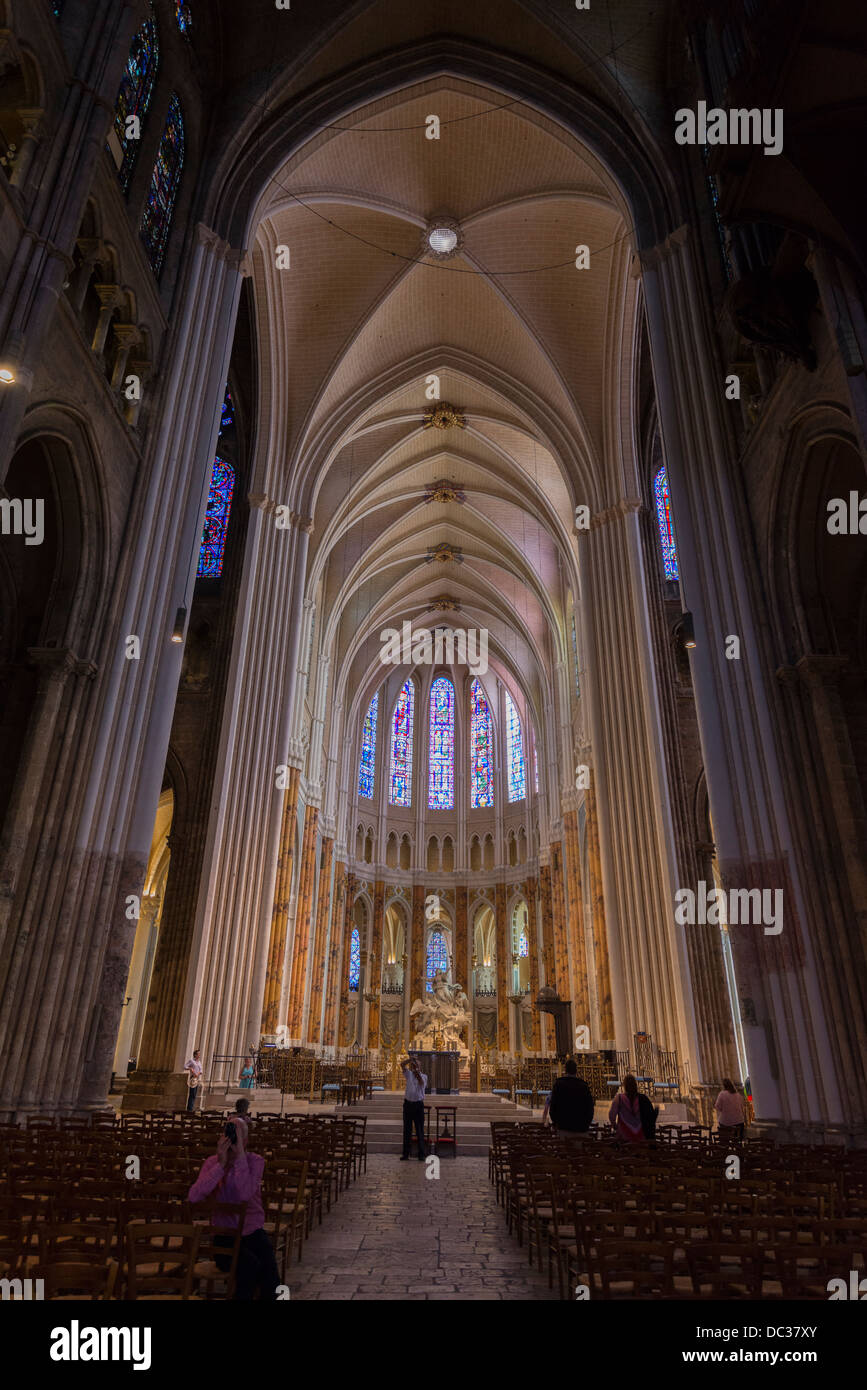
(443, 1014)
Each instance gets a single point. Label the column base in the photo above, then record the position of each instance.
(157, 1090)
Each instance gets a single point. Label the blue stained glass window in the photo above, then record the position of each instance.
(184, 17)
(400, 790)
(354, 959)
(666, 528)
(227, 417)
(575, 657)
(134, 94)
(216, 520)
(514, 752)
(481, 749)
(441, 787)
(368, 749)
(157, 217)
(523, 943)
(437, 956)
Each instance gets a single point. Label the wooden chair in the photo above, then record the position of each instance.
(218, 1245)
(805, 1274)
(633, 1269)
(161, 1258)
(76, 1280)
(286, 1212)
(725, 1270)
(86, 1242)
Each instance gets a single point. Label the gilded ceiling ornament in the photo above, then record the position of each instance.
(444, 553)
(444, 490)
(443, 416)
(446, 603)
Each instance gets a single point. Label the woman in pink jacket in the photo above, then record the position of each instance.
(625, 1113)
(234, 1175)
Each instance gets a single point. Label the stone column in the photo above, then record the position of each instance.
(575, 920)
(280, 914)
(504, 967)
(531, 888)
(561, 950)
(547, 924)
(303, 915)
(799, 1039)
(602, 969)
(342, 984)
(417, 945)
(374, 974)
(323, 907)
(334, 978)
(461, 909)
(70, 920)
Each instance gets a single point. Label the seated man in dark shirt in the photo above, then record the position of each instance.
(571, 1104)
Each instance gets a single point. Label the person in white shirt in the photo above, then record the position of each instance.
(193, 1068)
(413, 1105)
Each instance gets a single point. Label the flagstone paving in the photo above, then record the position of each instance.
(397, 1234)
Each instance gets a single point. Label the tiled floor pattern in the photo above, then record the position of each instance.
(397, 1234)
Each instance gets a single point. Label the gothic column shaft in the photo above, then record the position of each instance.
(795, 1072)
(303, 913)
(533, 937)
(373, 983)
(504, 967)
(575, 920)
(561, 952)
(280, 915)
(335, 981)
(323, 907)
(343, 984)
(597, 917)
(96, 822)
(417, 951)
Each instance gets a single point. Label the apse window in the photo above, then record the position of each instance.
(515, 753)
(216, 520)
(400, 782)
(437, 957)
(481, 749)
(367, 762)
(441, 790)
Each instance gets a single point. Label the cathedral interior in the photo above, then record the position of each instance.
(433, 566)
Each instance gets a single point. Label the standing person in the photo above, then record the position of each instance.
(193, 1069)
(625, 1113)
(570, 1104)
(413, 1106)
(730, 1108)
(245, 1079)
(234, 1174)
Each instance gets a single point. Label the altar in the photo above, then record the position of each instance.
(441, 1070)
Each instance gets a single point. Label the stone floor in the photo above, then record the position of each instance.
(397, 1234)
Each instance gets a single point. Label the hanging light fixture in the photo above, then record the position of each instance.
(688, 631)
(180, 624)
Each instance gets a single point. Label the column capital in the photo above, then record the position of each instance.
(654, 255)
(619, 509)
(815, 669)
(237, 259)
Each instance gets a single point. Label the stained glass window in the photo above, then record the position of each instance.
(400, 790)
(535, 761)
(157, 217)
(441, 787)
(368, 749)
(666, 529)
(134, 96)
(437, 956)
(216, 520)
(523, 943)
(184, 18)
(481, 749)
(514, 752)
(575, 658)
(354, 959)
(227, 417)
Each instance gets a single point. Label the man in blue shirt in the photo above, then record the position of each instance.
(413, 1105)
